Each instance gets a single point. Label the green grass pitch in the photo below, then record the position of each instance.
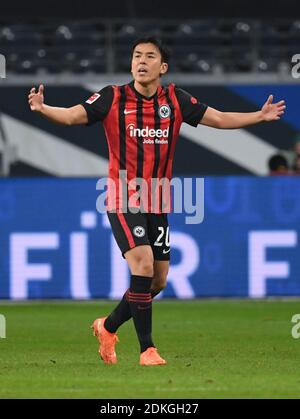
(214, 349)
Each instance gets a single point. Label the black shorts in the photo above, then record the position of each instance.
(131, 230)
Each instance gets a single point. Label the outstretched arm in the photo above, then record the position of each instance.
(230, 120)
(64, 116)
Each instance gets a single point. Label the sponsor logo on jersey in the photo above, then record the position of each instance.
(147, 132)
(126, 112)
(93, 98)
(194, 100)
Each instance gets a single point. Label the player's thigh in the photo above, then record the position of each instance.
(140, 260)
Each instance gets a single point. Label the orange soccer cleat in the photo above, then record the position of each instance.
(107, 341)
(151, 357)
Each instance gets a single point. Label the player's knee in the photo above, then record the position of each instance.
(145, 268)
(140, 260)
(143, 265)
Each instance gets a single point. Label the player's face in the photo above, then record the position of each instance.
(147, 65)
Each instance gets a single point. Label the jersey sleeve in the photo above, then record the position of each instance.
(98, 105)
(191, 109)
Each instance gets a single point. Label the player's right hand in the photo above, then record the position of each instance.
(36, 99)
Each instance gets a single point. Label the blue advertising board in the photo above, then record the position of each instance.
(54, 243)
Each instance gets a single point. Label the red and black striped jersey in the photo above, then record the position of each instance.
(142, 133)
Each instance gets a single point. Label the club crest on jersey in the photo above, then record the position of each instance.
(164, 111)
(139, 231)
(93, 98)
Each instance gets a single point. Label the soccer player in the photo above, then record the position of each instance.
(142, 120)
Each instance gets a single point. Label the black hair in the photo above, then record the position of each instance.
(164, 51)
(277, 162)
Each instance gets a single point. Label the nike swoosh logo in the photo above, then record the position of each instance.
(144, 308)
(166, 251)
(127, 112)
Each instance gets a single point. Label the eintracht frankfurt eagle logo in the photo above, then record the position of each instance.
(164, 111)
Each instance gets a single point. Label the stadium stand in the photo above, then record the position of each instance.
(102, 46)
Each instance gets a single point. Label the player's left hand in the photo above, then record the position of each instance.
(272, 111)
